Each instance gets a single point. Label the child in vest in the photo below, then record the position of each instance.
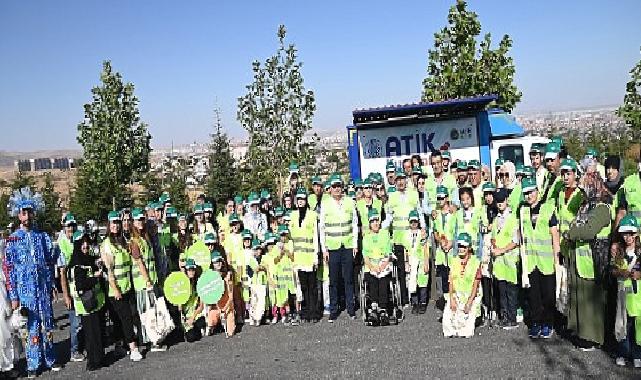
(444, 227)
(377, 249)
(234, 252)
(191, 312)
(462, 307)
(627, 270)
(267, 262)
(222, 313)
(242, 276)
(416, 250)
(490, 290)
(505, 253)
(258, 279)
(285, 279)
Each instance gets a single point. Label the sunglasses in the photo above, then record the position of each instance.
(336, 185)
(503, 175)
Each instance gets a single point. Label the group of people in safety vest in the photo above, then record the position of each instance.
(554, 246)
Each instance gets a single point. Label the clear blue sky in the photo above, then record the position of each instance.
(183, 55)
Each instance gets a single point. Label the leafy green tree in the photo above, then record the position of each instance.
(630, 111)
(458, 68)
(116, 147)
(151, 189)
(277, 112)
(23, 180)
(222, 177)
(175, 183)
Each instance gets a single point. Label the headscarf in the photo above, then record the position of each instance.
(508, 167)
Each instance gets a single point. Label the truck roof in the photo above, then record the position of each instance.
(453, 107)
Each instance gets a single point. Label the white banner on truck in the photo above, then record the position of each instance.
(377, 145)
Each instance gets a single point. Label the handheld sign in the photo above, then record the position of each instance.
(177, 288)
(210, 287)
(200, 253)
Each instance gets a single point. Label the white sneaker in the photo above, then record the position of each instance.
(620, 361)
(135, 356)
(637, 363)
(158, 348)
(251, 322)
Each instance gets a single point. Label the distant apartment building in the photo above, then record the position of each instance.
(38, 164)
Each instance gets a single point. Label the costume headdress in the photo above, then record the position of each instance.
(23, 199)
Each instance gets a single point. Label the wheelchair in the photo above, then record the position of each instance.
(394, 309)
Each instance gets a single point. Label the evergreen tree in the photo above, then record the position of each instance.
(222, 176)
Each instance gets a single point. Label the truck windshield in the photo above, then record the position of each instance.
(513, 153)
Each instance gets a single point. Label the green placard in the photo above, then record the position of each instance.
(177, 288)
(200, 253)
(210, 287)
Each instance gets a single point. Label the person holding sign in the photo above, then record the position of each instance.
(191, 311)
(220, 297)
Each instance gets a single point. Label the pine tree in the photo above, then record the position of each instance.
(222, 177)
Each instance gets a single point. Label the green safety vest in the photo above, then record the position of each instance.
(430, 188)
(77, 302)
(121, 268)
(416, 246)
(150, 263)
(362, 209)
(538, 240)
(516, 197)
(303, 238)
(472, 227)
(376, 246)
(338, 222)
(312, 201)
(66, 247)
(583, 252)
(555, 189)
(505, 266)
(448, 229)
(401, 211)
(464, 282)
(568, 210)
(190, 307)
(632, 188)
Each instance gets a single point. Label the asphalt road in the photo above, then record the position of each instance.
(348, 349)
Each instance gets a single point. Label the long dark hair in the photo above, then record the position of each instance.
(118, 239)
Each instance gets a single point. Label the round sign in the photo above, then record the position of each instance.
(177, 288)
(200, 253)
(210, 287)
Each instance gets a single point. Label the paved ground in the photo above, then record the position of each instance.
(348, 349)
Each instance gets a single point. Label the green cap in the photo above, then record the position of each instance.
(171, 212)
(367, 183)
(293, 167)
(441, 191)
(208, 207)
(499, 162)
(233, 218)
(592, 153)
(552, 150)
(137, 214)
(474, 165)
(301, 193)
(413, 216)
(190, 264)
(264, 194)
(390, 167)
(253, 198)
(182, 217)
(446, 154)
(287, 216)
(238, 199)
(316, 180)
(70, 220)
(113, 216)
(256, 243)
(283, 229)
(372, 214)
(78, 235)
(629, 224)
(488, 187)
(558, 140)
(464, 239)
(216, 256)
(270, 238)
(400, 173)
(198, 209)
(247, 234)
(351, 194)
(335, 178)
(157, 206)
(358, 183)
(210, 238)
(528, 184)
(164, 198)
(279, 211)
(417, 170)
(391, 189)
(537, 148)
(461, 165)
(568, 164)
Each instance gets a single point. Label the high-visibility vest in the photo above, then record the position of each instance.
(303, 239)
(505, 266)
(568, 210)
(313, 201)
(430, 188)
(190, 307)
(223, 222)
(449, 230)
(234, 250)
(400, 209)
(632, 190)
(538, 240)
(583, 252)
(516, 197)
(554, 189)
(377, 246)
(148, 259)
(464, 282)
(78, 306)
(363, 209)
(66, 247)
(472, 227)
(121, 268)
(338, 222)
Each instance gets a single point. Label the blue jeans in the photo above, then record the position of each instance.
(341, 264)
(628, 348)
(74, 330)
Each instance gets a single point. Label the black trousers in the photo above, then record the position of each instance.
(92, 329)
(378, 290)
(399, 251)
(491, 299)
(308, 284)
(509, 294)
(195, 333)
(122, 307)
(542, 297)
